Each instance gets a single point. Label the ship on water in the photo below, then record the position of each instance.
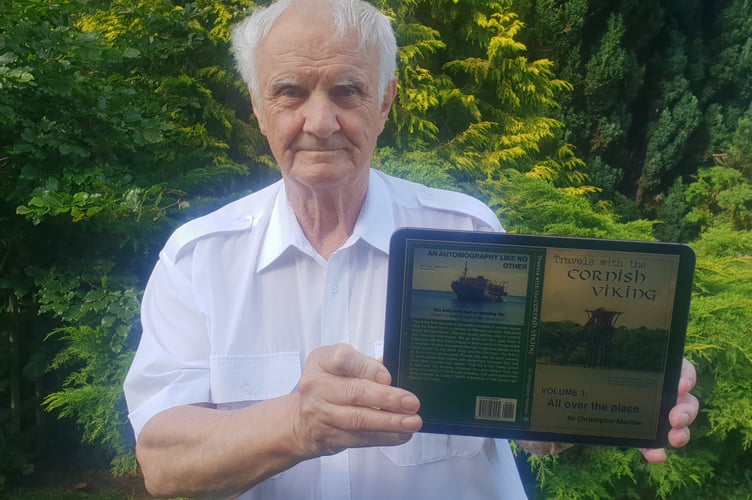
(477, 289)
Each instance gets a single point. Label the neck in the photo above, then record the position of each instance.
(326, 215)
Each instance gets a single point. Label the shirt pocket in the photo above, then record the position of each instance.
(253, 377)
(427, 448)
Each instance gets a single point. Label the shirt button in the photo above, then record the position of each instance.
(334, 289)
(246, 388)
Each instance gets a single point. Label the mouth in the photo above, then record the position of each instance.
(320, 151)
(320, 148)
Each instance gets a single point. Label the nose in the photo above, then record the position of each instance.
(320, 115)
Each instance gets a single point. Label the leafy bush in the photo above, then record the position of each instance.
(110, 136)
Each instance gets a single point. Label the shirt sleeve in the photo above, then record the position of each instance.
(171, 365)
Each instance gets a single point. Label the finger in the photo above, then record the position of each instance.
(333, 428)
(353, 419)
(342, 440)
(654, 455)
(685, 411)
(323, 382)
(688, 377)
(374, 420)
(378, 439)
(679, 437)
(343, 360)
(365, 393)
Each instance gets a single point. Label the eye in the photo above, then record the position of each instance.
(347, 91)
(290, 92)
(344, 91)
(287, 90)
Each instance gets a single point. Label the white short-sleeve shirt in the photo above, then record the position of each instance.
(238, 300)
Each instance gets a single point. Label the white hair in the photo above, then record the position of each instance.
(373, 29)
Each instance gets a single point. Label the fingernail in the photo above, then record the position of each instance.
(689, 384)
(684, 419)
(412, 422)
(410, 403)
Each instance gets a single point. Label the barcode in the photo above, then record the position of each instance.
(501, 409)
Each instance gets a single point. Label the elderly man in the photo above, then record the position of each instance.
(258, 367)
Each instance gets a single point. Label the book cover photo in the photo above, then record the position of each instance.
(602, 347)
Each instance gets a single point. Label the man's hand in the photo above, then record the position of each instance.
(346, 401)
(681, 415)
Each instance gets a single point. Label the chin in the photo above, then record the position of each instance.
(324, 174)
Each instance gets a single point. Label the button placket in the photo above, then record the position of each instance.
(335, 469)
(335, 308)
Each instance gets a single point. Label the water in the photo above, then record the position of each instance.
(431, 304)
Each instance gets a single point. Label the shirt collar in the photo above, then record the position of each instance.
(374, 226)
(375, 223)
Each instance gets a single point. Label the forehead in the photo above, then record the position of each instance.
(305, 43)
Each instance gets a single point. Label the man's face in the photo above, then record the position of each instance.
(318, 105)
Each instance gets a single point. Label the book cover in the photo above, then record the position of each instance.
(601, 356)
(471, 314)
(538, 337)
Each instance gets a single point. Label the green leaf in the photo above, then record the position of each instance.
(131, 53)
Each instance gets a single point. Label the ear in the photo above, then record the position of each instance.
(390, 92)
(260, 116)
